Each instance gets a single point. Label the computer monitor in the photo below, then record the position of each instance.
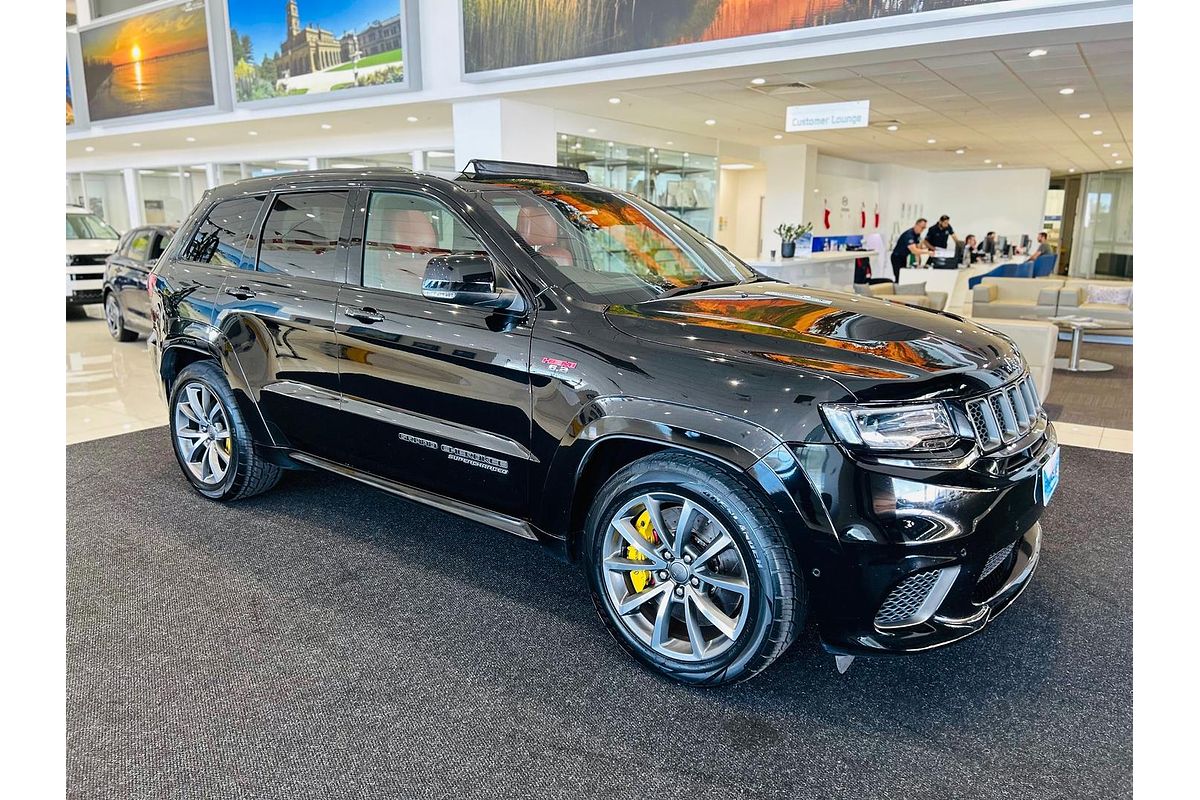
(1002, 245)
(1025, 242)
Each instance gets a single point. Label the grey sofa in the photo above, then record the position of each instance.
(1042, 298)
(912, 294)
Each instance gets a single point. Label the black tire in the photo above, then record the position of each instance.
(247, 473)
(777, 603)
(116, 323)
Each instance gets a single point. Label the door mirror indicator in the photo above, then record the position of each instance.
(466, 279)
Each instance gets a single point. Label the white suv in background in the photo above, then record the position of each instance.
(90, 240)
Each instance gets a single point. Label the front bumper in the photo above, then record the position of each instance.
(925, 558)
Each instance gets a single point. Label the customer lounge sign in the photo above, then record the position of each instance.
(828, 116)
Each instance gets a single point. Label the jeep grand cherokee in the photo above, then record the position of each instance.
(727, 455)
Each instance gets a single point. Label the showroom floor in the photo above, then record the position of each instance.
(326, 641)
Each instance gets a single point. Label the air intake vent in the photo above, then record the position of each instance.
(783, 89)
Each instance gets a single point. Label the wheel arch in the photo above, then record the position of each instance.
(611, 433)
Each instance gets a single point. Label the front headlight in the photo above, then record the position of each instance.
(915, 426)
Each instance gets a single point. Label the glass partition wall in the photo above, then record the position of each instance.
(1103, 240)
(103, 193)
(684, 184)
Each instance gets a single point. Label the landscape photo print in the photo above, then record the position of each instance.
(289, 48)
(146, 63)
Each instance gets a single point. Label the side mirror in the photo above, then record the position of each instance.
(466, 279)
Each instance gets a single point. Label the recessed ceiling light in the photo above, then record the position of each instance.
(562, 136)
(1114, 155)
(670, 142)
(710, 122)
(1119, 163)
(325, 126)
(1066, 90)
(137, 144)
(1085, 115)
(1072, 169)
(1037, 53)
(1097, 133)
(779, 136)
(931, 141)
(999, 166)
(252, 133)
(893, 127)
(614, 100)
(959, 151)
(1106, 144)
(190, 139)
(89, 148)
(987, 161)
(758, 81)
(591, 130)
(412, 119)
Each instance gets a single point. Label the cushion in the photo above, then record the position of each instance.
(1047, 297)
(862, 288)
(1069, 298)
(1117, 295)
(985, 293)
(911, 288)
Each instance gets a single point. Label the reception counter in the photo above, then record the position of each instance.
(833, 269)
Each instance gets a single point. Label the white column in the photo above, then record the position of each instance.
(789, 197)
(509, 130)
(418, 160)
(312, 162)
(133, 197)
(212, 175)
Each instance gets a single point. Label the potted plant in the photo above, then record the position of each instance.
(788, 234)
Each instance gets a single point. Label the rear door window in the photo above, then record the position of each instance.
(220, 239)
(139, 245)
(300, 236)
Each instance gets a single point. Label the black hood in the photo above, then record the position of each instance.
(877, 349)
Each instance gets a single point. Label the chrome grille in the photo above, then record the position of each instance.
(1005, 415)
(903, 603)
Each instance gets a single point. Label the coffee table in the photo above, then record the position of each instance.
(1077, 326)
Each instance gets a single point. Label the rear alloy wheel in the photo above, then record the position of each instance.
(212, 443)
(691, 571)
(115, 320)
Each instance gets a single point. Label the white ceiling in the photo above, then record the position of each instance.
(997, 104)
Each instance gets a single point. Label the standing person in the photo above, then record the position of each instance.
(1042, 248)
(938, 238)
(908, 243)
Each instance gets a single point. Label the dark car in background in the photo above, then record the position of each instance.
(126, 271)
(727, 455)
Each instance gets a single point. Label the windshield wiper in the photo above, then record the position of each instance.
(675, 291)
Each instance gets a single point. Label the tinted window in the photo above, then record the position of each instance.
(139, 245)
(221, 237)
(301, 234)
(161, 242)
(403, 232)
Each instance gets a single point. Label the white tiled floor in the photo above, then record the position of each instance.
(111, 389)
(110, 385)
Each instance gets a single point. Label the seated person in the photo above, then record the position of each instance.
(1042, 248)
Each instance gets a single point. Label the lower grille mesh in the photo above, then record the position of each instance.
(903, 603)
(995, 572)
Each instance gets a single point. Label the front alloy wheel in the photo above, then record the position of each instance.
(675, 576)
(691, 570)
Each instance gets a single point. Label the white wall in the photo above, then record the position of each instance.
(1008, 201)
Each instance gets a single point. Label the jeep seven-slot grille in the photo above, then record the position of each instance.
(903, 603)
(1005, 415)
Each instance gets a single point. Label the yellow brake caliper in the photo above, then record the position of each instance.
(641, 577)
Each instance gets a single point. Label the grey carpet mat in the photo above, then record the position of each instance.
(329, 641)
(1103, 399)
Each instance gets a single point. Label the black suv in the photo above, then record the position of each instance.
(726, 454)
(126, 280)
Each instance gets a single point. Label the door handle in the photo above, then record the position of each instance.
(241, 293)
(367, 315)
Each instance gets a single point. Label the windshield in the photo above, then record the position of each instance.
(89, 226)
(609, 248)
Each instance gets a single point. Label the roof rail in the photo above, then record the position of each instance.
(487, 168)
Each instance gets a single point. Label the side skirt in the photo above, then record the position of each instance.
(517, 527)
